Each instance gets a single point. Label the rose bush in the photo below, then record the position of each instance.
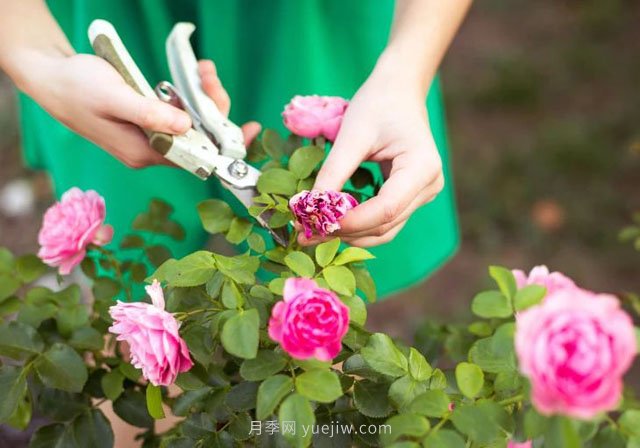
(277, 346)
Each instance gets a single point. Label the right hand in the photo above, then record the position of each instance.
(89, 96)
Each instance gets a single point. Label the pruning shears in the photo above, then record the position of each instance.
(214, 145)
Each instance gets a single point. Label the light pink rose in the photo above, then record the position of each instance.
(575, 347)
(310, 322)
(320, 211)
(525, 444)
(315, 116)
(152, 335)
(540, 275)
(69, 226)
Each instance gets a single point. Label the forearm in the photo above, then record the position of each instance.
(421, 33)
(29, 37)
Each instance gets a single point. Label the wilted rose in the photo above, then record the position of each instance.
(315, 116)
(310, 321)
(320, 211)
(575, 347)
(152, 335)
(69, 226)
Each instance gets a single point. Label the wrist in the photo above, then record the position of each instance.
(399, 67)
(27, 67)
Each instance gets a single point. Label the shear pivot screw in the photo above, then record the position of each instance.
(238, 169)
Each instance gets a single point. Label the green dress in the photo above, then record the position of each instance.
(266, 52)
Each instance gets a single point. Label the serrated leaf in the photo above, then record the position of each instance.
(431, 403)
(371, 398)
(264, 365)
(62, 368)
(383, 356)
(325, 252)
(216, 215)
(340, 279)
(296, 408)
(322, 386)
(304, 160)
(18, 340)
(419, 368)
(239, 230)
(277, 181)
(410, 425)
(301, 264)
(240, 334)
(13, 386)
(270, 393)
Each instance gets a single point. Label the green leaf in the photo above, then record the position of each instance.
(419, 368)
(352, 255)
(13, 386)
(277, 181)
(469, 378)
(231, 296)
(505, 280)
(131, 407)
(357, 309)
(154, 401)
(444, 438)
(240, 334)
(383, 356)
(63, 406)
(410, 425)
(276, 286)
(19, 341)
(322, 386)
(8, 285)
(483, 354)
(52, 436)
(432, 403)
(129, 371)
(483, 421)
(273, 144)
(21, 417)
(216, 215)
(340, 279)
(240, 268)
(62, 368)
(239, 230)
(265, 364)
(270, 393)
(296, 408)
(404, 390)
(489, 304)
(300, 263)
(105, 288)
(92, 429)
(528, 296)
(86, 338)
(535, 425)
(29, 268)
(630, 422)
(243, 396)
(240, 426)
(562, 434)
(193, 270)
(325, 252)
(256, 243)
(372, 399)
(71, 318)
(11, 305)
(304, 160)
(365, 283)
(112, 384)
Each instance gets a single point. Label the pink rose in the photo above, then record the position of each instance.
(526, 444)
(69, 226)
(540, 275)
(319, 211)
(314, 116)
(310, 322)
(152, 335)
(575, 347)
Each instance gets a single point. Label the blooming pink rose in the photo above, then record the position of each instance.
(152, 335)
(540, 275)
(526, 444)
(575, 347)
(69, 226)
(314, 116)
(320, 211)
(310, 322)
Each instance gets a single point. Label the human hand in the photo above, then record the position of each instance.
(88, 95)
(386, 122)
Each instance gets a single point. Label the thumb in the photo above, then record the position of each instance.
(348, 152)
(148, 113)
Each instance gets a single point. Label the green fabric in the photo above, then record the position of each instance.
(265, 52)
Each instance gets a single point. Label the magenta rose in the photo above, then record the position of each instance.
(320, 211)
(69, 226)
(575, 347)
(310, 322)
(315, 116)
(540, 275)
(152, 334)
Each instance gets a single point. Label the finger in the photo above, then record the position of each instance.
(129, 144)
(127, 105)
(250, 131)
(349, 150)
(370, 241)
(425, 196)
(212, 85)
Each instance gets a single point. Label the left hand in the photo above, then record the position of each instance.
(385, 122)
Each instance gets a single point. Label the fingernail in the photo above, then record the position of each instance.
(181, 123)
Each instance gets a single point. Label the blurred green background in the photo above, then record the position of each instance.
(543, 101)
